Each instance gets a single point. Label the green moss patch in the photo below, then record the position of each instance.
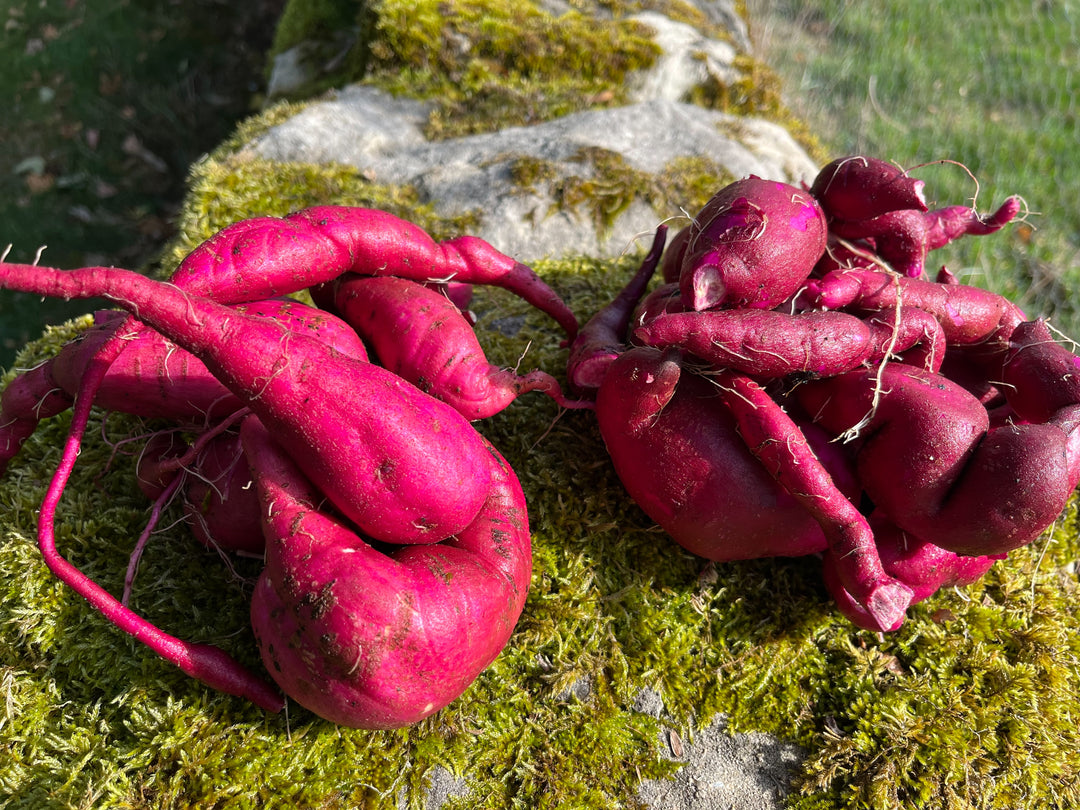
(971, 704)
(489, 64)
(608, 185)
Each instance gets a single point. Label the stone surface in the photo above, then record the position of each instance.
(723, 770)
(382, 136)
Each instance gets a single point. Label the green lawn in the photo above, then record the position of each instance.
(993, 87)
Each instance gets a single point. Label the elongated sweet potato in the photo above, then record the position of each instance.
(421, 335)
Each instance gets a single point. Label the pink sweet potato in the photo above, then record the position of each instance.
(604, 337)
(968, 315)
(421, 335)
(265, 257)
(713, 467)
(904, 238)
(929, 460)
(1041, 376)
(364, 436)
(859, 187)
(313, 397)
(922, 566)
(376, 640)
(677, 452)
(752, 245)
(151, 376)
(764, 343)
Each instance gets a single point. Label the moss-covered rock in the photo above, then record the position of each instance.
(970, 704)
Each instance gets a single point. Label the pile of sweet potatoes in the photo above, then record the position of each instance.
(798, 385)
(396, 539)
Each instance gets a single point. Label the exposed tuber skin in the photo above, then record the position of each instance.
(421, 335)
(764, 343)
(903, 238)
(922, 566)
(752, 245)
(968, 315)
(929, 460)
(713, 466)
(151, 376)
(382, 640)
(603, 338)
(376, 471)
(1041, 376)
(859, 187)
(781, 447)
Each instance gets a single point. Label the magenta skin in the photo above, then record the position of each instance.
(377, 640)
(1041, 376)
(904, 238)
(374, 242)
(151, 376)
(932, 464)
(752, 245)
(264, 257)
(764, 343)
(729, 476)
(603, 338)
(221, 503)
(373, 467)
(922, 566)
(420, 335)
(968, 315)
(675, 447)
(859, 187)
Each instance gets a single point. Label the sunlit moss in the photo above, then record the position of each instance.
(971, 703)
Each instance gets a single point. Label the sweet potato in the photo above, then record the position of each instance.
(677, 451)
(904, 238)
(364, 436)
(421, 335)
(729, 476)
(922, 566)
(752, 245)
(929, 460)
(859, 187)
(381, 640)
(764, 343)
(151, 376)
(603, 338)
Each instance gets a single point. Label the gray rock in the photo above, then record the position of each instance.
(382, 136)
(743, 771)
(689, 59)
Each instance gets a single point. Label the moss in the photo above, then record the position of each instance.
(489, 64)
(970, 704)
(758, 93)
(497, 63)
(608, 185)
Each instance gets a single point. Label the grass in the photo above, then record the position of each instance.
(106, 106)
(993, 87)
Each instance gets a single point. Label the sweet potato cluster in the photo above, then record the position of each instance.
(798, 385)
(396, 539)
